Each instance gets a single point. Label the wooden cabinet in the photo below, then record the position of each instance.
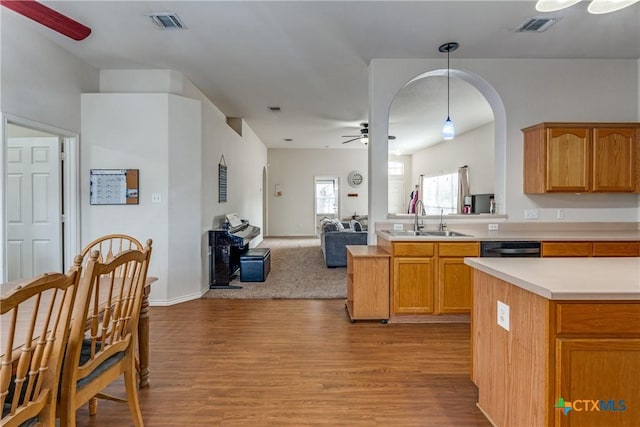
(413, 280)
(431, 278)
(587, 249)
(582, 157)
(454, 277)
(367, 282)
(578, 350)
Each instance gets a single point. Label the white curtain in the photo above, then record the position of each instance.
(463, 186)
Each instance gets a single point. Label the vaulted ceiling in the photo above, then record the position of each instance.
(310, 58)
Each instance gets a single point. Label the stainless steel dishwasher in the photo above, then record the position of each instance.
(510, 249)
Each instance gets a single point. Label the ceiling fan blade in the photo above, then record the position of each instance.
(354, 139)
(350, 136)
(49, 18)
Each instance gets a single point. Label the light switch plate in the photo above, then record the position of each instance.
(503, 315)
(156, 198)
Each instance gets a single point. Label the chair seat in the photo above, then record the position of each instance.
(85, 356)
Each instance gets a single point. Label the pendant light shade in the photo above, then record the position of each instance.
(448, 130)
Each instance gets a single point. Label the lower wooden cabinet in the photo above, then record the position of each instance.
(454, 277)
(431, 278)
(413, 280)
(594, 369)
(367, 282)
(587, 249)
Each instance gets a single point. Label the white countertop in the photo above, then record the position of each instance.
(547, 235)
(567, 278)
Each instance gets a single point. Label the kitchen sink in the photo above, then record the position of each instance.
(445, 233)
(434, 233)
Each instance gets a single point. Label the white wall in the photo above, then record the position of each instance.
(294, 169)
(474, 149)
(40, 81)
(190, 175)
(532, 91)
(159, 134)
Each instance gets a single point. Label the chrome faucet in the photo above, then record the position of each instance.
(442, 225)
(419, 205)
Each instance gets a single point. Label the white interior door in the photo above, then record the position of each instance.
(34, 229)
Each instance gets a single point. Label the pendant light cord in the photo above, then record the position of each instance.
(448, 79)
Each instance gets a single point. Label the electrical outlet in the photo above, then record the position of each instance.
(503, 315)
(397, 227)
(493, 227)
(560, 214)
(531, 214)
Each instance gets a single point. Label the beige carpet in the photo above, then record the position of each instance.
(298, 271)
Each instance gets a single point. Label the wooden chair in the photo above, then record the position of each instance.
(36, 316)
(110, 245)
(103, 335)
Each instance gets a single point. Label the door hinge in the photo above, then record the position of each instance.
(62, 157)
(62, 219)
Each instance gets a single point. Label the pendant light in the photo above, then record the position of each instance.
(448, 130)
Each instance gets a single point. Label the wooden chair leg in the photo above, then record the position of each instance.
(93, 406)
(130, 381)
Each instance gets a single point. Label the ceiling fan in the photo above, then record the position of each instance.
(364, 135)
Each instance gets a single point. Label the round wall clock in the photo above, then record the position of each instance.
(355, 178)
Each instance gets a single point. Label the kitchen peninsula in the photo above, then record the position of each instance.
(556, 341)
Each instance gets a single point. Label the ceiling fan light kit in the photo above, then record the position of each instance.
(448, 130)
(363, 137)
(596, 6)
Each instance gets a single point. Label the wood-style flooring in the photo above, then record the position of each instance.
(297, 363)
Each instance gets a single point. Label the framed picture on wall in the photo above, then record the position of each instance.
(222, 181)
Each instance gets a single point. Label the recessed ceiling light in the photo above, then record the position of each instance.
(166, 20)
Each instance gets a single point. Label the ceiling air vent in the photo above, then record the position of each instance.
(167, 21)
(536, 25)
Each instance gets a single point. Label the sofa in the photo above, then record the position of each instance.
(335, 236)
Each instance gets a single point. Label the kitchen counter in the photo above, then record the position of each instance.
(549, 235)
(567, 278)
(545, 329)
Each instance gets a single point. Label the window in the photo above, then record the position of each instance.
(396, 169)
(326, 196)
(440, 192)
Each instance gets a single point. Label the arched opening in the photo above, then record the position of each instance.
(484, 93)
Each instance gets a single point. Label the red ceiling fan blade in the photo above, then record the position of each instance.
(49, 18)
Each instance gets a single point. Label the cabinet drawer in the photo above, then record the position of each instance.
(568, 249)
(598, 318)
(459, 249)
(413, 249)
(616, 249)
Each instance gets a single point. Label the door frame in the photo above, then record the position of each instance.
(70, 183)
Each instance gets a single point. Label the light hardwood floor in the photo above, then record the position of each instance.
(298, 363)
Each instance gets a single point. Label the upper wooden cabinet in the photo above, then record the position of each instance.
(582, 157)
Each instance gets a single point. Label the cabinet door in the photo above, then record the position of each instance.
(568, 159)
(413, 285)
(613, 160)
(617, 249)
(454, 286)
(566, 249)
(598, 369)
